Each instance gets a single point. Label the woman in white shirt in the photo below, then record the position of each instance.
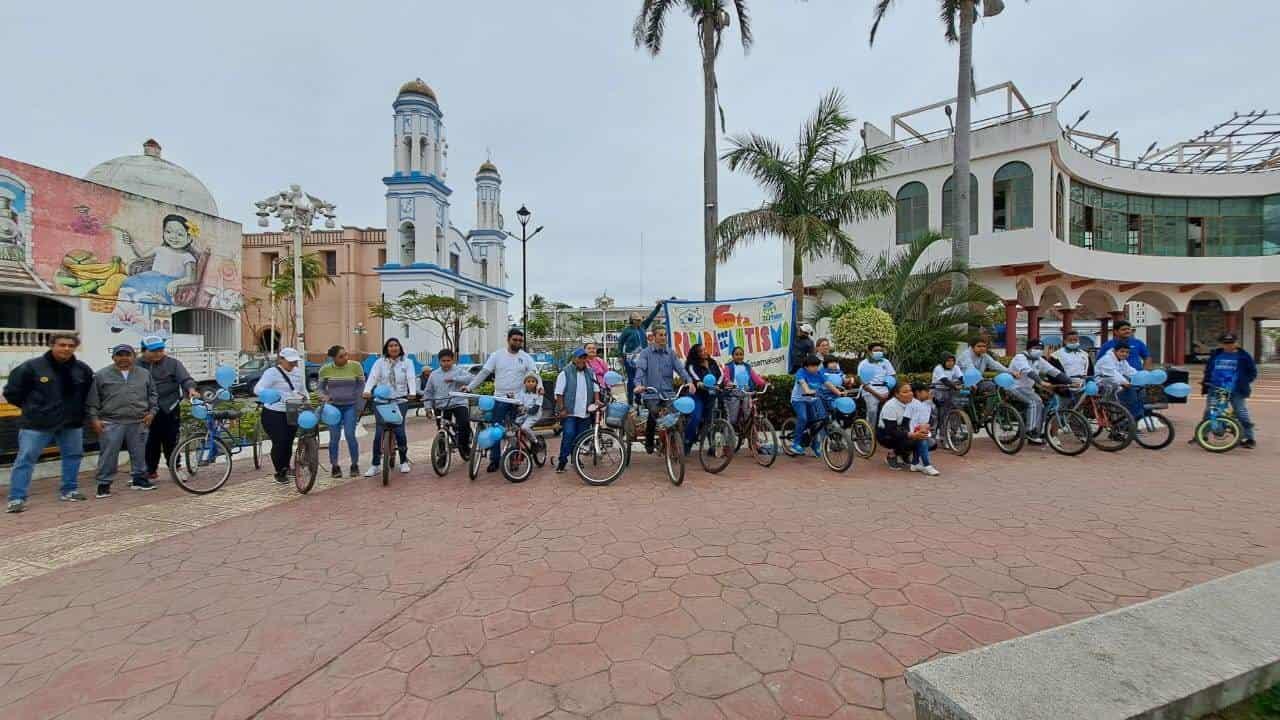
(285, 377)
(394, 370)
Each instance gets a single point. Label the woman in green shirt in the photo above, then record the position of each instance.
(341, 382)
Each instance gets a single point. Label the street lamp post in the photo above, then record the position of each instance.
(296, 211)
(523, 216)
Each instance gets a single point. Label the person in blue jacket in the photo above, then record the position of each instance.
(1231, 368)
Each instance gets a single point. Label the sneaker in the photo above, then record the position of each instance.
(73, 496)
(16, 506)
(1248, 444)
(282, 477)
(930, 470)
(796, 449)
(817, 452)
(1035, 439)
(335, 471)
(104, 491)
(143, 484)
(493, 467)
(353, 471)
(893, 462)
(404, 467)
(560, 465)
(373, 470)
(916, 468)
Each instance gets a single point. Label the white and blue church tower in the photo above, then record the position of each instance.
(424, 250)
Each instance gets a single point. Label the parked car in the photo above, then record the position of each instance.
(251, 370)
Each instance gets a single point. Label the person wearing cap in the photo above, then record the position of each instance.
(122, 403)
(173, 383)
(287, 379)
(801, 347)
(875, 391)
(1232, 368)
(630, 342)
(508, 367)
(51, 391)
(576, 389)
(1030, 368)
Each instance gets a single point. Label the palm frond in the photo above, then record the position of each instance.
(947, 12)
(882, 7)
(744, 24)
(651, 24)
(742, 229)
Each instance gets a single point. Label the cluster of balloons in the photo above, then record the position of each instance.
(683, 405)
(868, 374)
(225, 375)
(1005, 380)
(489, 437)
(612, 378)
(844, 405)
(1149, 377)
(1178, 390)
(972, 377)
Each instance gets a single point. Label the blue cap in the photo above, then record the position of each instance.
(122, 348)
(579, 353)
(153, 342)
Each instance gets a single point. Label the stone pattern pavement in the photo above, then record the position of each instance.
(790, 592)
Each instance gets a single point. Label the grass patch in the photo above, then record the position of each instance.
(1263, 706)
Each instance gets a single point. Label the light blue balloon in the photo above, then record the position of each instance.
(890, 381)
(330, 414)
(269, 396)
(225, 375)
(1178, 390)
(683, 405)
(709, 379)
(867, 373)
(972, 377)
(486, 403)
(1159, 377)
(199, 411)
(1142, 378)
(1091, 388)
(382, 392)
(1005, 380)
(489, 437)
(223, 394)
(307, 420)
(612, 378)
(845, 405)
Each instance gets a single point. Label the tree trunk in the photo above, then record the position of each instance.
(797, 284)
(710, 209)
(960, 176)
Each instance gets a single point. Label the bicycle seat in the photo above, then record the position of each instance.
(225, 414)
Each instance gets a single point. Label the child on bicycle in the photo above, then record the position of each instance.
(1030, 369)
(448, 379)
(740, 377)
(947, 378)
(894, 430)
(530, 402)
(808, 407)
(920, 412)
(1232, 369)
(1114, 372)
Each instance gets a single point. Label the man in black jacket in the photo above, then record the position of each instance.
(51, 391)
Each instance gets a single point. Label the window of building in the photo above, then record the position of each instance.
(330, 262)
(1011, 197)
(912, 215)
(484, 271)
(949, 205)
(408, 243)
(1135, 235)
(382, 257)
(455, 262)
(268, 260)
(1059, 203)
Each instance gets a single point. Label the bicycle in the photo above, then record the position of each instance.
(756, 431)
(306, 446)
(669, 435)
(1219, 431)
(388, 410)
(524, 450)
(993, 412)
(836, 447)
(1111, 423)
(446, 438)
(954, 434)
(1151, 426)
(601, 455)
(483, 419)
(858, 427)
(1064, 429)
(192, 464)
(716, 438)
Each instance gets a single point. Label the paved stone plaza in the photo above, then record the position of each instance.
(792, 592)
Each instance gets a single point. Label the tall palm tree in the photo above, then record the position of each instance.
(313, 273)
(949, 11)
(812, 191)
(929, 309)
(711, 18)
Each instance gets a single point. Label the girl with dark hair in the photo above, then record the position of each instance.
(395, 370)
(172, 263)
(699, 364)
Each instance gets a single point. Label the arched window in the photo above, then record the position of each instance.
(949, 205)
(407, 244)
(1059, 205)
(912, 215)
(1011, 197)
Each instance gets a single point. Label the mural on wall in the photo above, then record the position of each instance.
(136, 261)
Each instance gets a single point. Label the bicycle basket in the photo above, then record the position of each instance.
(668, 421)
(291, 410)
(1153, 397)
(389, 413)
(616, 414)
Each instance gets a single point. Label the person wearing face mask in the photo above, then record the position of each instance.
(1030, 368)
(876, 391)
(1073, 360)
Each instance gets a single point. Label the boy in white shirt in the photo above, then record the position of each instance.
(1114, 370)
(1075, 360)
(947, 378)
(919, 415)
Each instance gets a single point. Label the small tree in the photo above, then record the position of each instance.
(451, 315)
(859, 326)
(313, 272)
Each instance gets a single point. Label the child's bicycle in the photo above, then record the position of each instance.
(755, 430)
(835, 444)
(1064, 429)
(524, 449)
(1219, 431)
(194, 464)
(716, 439)
(669, 437)
(446, 440)
(1110, 422)
(857, 427)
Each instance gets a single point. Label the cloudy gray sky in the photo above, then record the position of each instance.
(601, 141)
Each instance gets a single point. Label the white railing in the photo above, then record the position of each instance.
(25, 337)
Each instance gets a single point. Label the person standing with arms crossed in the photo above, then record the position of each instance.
(122, 403)
(173, 383)
(508, 368)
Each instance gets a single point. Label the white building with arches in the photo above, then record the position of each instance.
(425, 251)
(1184, 241)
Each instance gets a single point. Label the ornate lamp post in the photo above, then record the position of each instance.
(523, 216)
(296, 211)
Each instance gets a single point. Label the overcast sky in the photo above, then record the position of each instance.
(601, 141)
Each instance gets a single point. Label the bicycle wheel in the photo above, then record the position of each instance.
(538, 450)
(516, 464)
(306, 463)
(600, 461)
(1112, 425)
(1006, 428)
(837, 449)
(864, 438)
(256, 443)
(441, 453)
(762, 441)
(787, 436)
(192, 472)
(388, 453)
(672, 448)
(477, 457)
(716, 445)
(1219, 435)
(1068, 433)
(1155, 431)
(957, 432)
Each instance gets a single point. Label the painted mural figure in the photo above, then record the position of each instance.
(170, 266)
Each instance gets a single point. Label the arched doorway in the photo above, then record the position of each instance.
(268, 340)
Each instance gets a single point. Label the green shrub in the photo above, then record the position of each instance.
(861, 326)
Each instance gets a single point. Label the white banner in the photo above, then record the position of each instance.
(761, 326)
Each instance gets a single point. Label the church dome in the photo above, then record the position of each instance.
(417, 87)
(151, 176)
(488, 167)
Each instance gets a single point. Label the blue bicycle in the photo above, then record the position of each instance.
(1219, 431)
(201, 463)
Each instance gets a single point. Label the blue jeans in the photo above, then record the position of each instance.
(500, 412)
(131, 436)
(31, 443)
(1132, 401)
(347, 427)
(693, 421)
(920, 453)
(402, 440)
(570, 428)
(807, 412)
(630, 368)
(1237, 405)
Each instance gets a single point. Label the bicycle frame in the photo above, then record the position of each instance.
(1218, 405)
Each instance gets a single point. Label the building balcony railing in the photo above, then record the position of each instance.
(25, 337)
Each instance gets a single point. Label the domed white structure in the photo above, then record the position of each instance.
(151, 176)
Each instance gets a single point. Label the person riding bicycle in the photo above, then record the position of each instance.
(807, 403)
(576, 390)
(656, 365)
(508, 367)
(978, 356)
(1114, 371)
(947, 378)
(529, 401)
(1030, 368)
(394, 370)
(1073, 360)
(699, 365)
(1232, 369)
(451, 378)
(873, 372)
(739, 377)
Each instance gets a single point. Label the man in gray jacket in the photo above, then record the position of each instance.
(121, 405)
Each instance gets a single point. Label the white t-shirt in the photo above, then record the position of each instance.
(892, 412)
(919, 413)
(1075, 362)
(173, 263)
(580, 398)
(508, 370)
(940, 373)
(1025, 367)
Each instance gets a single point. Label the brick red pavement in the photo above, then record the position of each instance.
(755, 594)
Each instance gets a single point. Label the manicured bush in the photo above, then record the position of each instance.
(858, 327)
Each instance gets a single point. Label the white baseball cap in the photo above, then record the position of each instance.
(290, 354)
(806, 328)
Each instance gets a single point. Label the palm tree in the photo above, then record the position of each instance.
(712, 18)
(313, 272)
(949, 10)
(812, 191)
(929, 309)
